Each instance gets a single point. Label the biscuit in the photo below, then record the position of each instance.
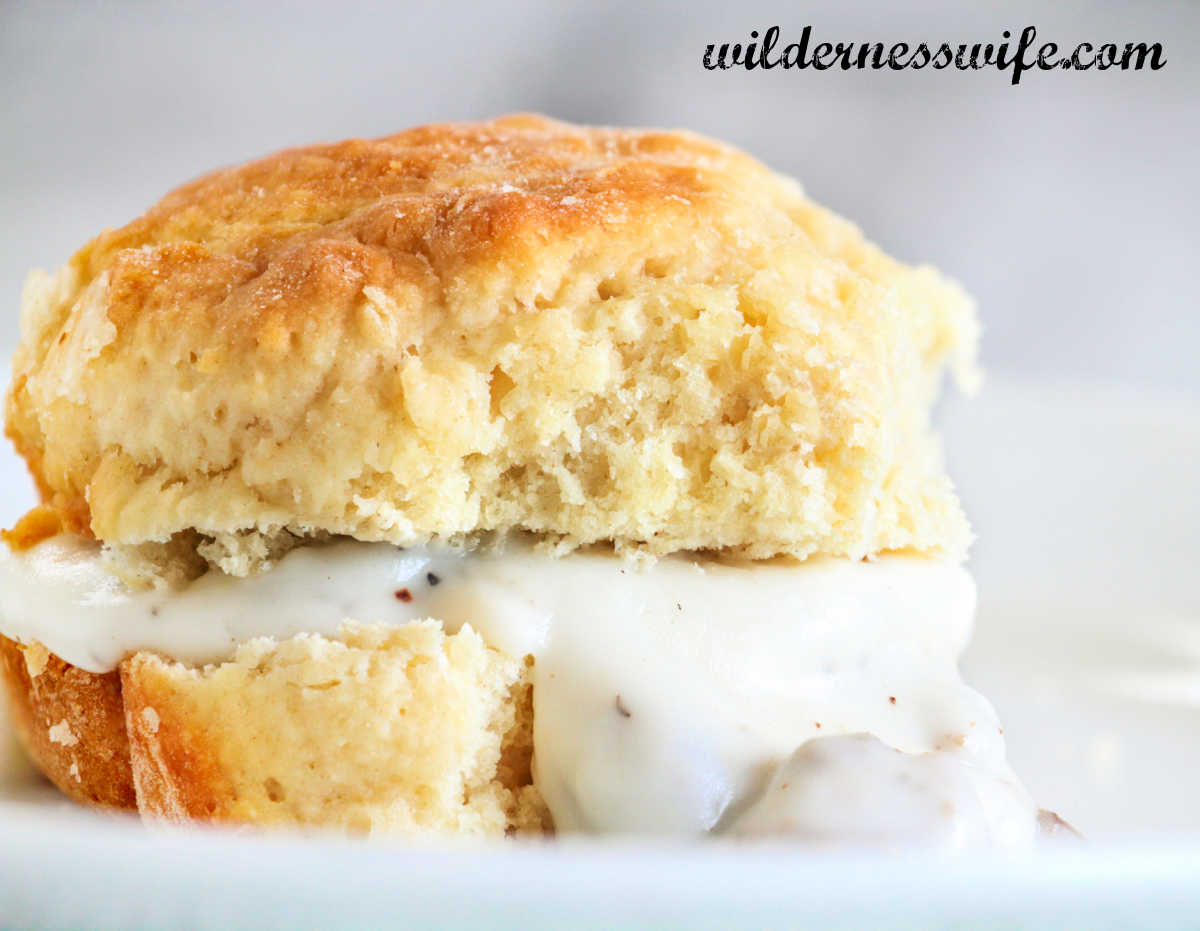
(384, 731)
(71, 722)
(461, 331)
(593, 334)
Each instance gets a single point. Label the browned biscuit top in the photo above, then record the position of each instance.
(645, 337)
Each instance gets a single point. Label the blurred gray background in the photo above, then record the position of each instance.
(1067, 205)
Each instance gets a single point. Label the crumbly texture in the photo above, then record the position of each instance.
(593, 334)
(385, 731)
(393, 731)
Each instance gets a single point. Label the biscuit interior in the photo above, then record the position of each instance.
(614, 335)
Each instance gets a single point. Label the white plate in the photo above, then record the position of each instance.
(1088, 642)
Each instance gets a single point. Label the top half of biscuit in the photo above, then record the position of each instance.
(640, 337)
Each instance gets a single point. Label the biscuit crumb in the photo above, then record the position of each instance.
(693, 355)
(380, 730)
(38, 524)
(150, 719)
(37, 657)
(61, 734)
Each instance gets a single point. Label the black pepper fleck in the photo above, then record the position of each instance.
(622, 710)
(403, 594)
(431, 578)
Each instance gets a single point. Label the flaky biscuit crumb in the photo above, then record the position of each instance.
(61, 734)
(380, 730)
(594, 334)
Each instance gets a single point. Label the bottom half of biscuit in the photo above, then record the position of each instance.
(378, 730)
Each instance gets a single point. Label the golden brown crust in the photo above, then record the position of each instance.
(646, 337)
(72, 722)
(39, 523)
(392, 731)
(174, 772)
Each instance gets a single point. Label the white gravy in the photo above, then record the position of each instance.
(669, 698)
